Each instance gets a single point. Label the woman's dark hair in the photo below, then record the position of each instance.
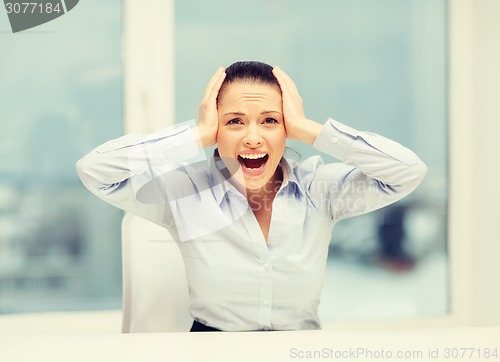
(249, 71)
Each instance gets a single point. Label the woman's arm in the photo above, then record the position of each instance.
(375, 171)
(129, 172)
(138, 173)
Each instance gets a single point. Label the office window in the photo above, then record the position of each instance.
(377, 66)
(61, 96)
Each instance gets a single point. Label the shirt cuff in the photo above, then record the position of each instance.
(335, 139)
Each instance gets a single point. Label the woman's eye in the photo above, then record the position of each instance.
(270, 120)
(234, 121)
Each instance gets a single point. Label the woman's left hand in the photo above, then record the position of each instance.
(296, 124)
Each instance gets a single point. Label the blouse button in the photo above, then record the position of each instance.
(266, 266)
(265, 302)
(335, 140)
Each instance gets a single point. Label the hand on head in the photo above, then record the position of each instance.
(208, 122)
(293, 110)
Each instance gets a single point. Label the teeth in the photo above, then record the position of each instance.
(253, 169)
(253, 155)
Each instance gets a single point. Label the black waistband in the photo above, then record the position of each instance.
(199, 327)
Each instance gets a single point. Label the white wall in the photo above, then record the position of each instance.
(149, 65)
(485, 214)
(474, 164)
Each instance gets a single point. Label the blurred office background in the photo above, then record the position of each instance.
(60, 96)
(380, 66)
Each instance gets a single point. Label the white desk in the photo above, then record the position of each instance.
(256, 346)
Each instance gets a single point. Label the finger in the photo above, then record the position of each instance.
(214, 78)
(214, 83)
(279, 77)
(216, 87)
(285, 79)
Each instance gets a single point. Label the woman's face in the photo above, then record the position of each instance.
(251, 131)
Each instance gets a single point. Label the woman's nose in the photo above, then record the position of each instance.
(252, 137)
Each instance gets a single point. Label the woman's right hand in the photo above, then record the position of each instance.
(208, 122)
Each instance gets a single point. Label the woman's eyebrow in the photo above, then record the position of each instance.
(235, 113)
(242, 114)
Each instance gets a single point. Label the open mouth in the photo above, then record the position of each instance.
(253, 162)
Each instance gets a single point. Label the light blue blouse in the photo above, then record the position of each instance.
(236, 281)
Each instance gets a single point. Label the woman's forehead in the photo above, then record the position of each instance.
(244, 91)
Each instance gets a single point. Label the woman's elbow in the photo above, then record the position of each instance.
(420, 170)
(82, 167)
(84, 171)
(415, 176)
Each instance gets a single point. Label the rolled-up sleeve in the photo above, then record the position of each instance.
(375, 171)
